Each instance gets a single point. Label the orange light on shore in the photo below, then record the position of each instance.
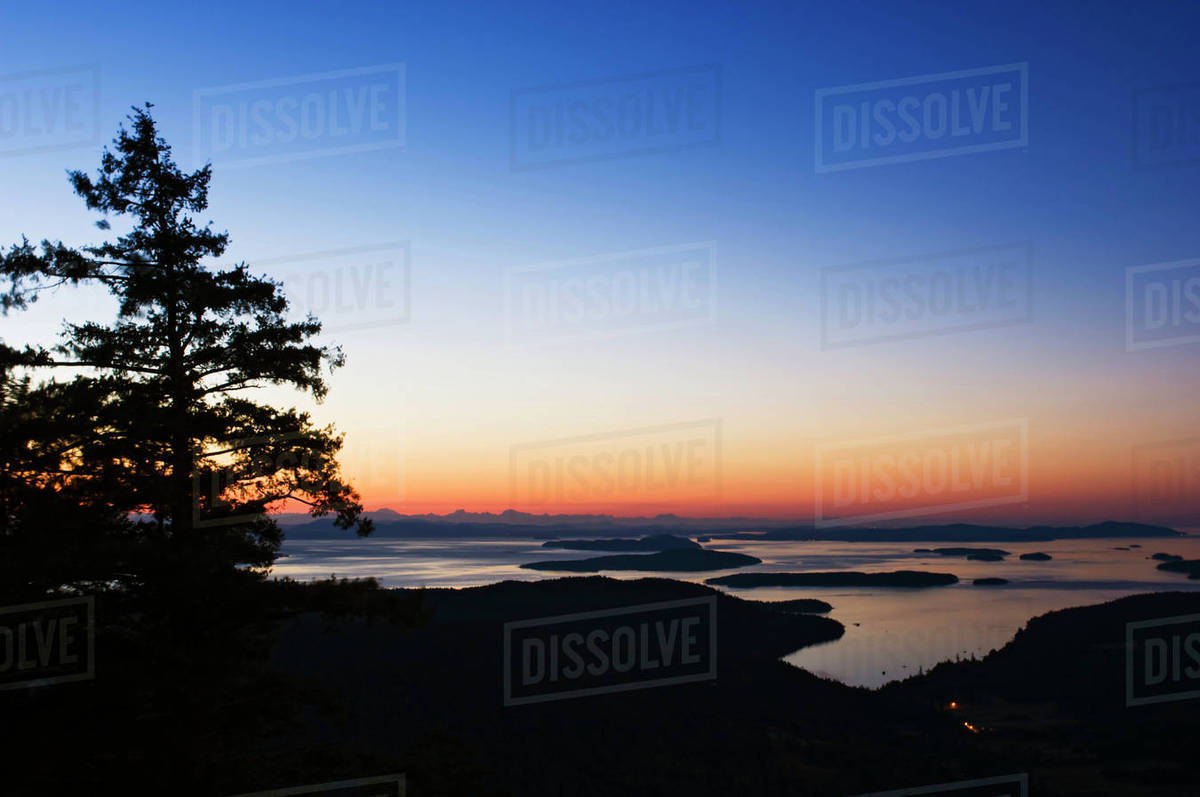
(970, 727)
(953, 705)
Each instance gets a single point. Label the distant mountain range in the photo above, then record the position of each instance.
(511, 517)
(511, 523)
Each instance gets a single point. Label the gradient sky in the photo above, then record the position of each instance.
(438, 411)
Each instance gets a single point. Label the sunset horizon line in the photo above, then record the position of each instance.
(827, 524)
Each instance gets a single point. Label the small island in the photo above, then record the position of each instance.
(654, 542)
(1037, 556)
(989, 582)
(1166, 557)
(680, 561)
(898, 578)
(972, 554)
(1181, 565)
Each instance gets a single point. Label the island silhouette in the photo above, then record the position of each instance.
(671, 560)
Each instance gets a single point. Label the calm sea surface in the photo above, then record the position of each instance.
(890, 633)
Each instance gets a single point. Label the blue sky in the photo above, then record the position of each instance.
(1074, 193)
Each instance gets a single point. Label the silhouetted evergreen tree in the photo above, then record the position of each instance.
(156, 419)
(142, 472)
(56, 530)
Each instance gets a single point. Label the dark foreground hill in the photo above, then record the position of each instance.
(356, 681)
(1056, 696)
(438, 691)
(1051, 704)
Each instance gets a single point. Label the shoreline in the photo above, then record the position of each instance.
(1035, 587)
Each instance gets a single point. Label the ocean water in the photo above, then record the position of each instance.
(890, 633)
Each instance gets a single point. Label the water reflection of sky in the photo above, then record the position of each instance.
(890, 633)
